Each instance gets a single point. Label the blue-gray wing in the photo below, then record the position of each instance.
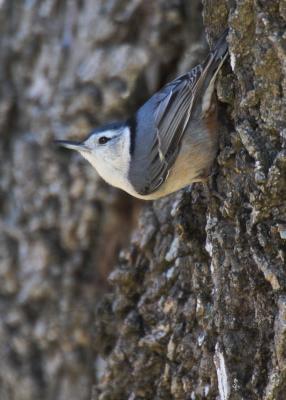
(173, 110)
(158, 142)
(162, 121)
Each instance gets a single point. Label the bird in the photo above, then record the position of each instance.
(169, 143)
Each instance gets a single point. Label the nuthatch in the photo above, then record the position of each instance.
(170, 142)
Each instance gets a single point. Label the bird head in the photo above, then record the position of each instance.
(107, 149)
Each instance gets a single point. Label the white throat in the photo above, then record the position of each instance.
(112, 162)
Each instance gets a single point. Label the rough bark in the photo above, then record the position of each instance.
(197, 308)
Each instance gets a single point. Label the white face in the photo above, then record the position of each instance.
(109, 155)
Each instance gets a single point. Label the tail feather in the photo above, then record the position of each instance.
(221, 47)
(210, 69)
(216, 57)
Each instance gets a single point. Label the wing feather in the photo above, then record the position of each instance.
(174, 111)
(172, 114)
(171, 108)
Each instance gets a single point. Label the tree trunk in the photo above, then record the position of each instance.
(197, 308)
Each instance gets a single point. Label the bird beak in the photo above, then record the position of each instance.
(73, 145)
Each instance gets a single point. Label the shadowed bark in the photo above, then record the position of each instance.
(197, 304)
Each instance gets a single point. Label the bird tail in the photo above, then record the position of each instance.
(210, 69)
(215, 59)
(221, 47)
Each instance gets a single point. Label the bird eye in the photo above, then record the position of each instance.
(103, 140)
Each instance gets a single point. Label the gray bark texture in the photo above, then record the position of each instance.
(196, 302)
